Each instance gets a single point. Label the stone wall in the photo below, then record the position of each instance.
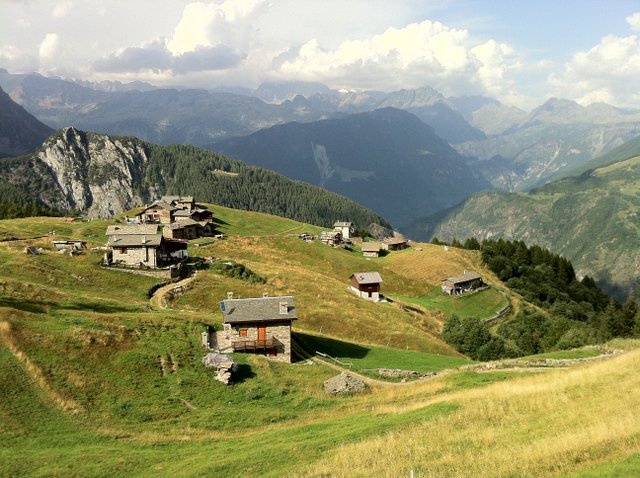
(231, 333)
(136, 255)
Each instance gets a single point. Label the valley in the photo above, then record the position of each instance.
(82, 363)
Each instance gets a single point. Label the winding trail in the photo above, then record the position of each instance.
(158, 299)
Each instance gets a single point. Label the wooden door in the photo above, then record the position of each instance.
(262, 333)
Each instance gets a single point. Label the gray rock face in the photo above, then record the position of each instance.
(344, 383)
(95, 173)
(225, 366)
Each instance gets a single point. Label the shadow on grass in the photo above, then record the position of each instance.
(243, 373)
(43, 306)
(336, 348)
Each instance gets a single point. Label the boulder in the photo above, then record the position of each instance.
(344, 383)
(224, 365)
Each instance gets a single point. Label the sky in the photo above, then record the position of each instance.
(520, 52)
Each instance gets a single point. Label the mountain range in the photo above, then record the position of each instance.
(20, 132)
(387, 160)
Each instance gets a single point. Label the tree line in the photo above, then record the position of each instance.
(567, 312)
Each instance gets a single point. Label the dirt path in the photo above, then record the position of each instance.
(158, 299)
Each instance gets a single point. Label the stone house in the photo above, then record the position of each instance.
(345, 228)
(366, 285)
(371, 249)
(394, 244)
(159, 212)
(182, 229)
(331, 238)
(467, 282)
(197, 214)
(257, 325)
(142, 246)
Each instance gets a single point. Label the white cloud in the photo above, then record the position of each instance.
(62, 9)
(157, 58)
(209, 24)
(425, 53)
(607, 71)
(49, 46)
(634, 21)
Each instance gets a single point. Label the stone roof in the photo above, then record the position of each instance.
(186, 221)
(170, 199)
(372, 246)
(367, 277)
(120, 230)
(342, 224)
(260, 309)
(394, 240)
(182, 213)
(466, 277)
(135, 240)
(160, 204)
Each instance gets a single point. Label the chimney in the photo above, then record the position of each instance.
(265, 295)
(144, 239)
(284, 307)
(229, 295)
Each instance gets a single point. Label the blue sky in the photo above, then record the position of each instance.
(519, 51)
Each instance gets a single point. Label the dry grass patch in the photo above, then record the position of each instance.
(537, 426)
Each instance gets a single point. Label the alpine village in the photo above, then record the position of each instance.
(221, 261)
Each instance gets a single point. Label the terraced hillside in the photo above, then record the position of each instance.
(93, 382)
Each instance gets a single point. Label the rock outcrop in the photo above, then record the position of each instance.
(344, 383)
(95, 173)
(225, 366)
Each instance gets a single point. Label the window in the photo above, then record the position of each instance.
(123, 250)
(243, 332)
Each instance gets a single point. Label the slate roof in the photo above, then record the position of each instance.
(394, 241)
(160, 204)
(367, 277)
(466, 277)
(187, 221)
(119, 230)
(170, 199)
(182, 213)
(260, 309)
(342, 224)
(372, 246)
(135, 240)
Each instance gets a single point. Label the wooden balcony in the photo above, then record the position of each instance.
(257, 346)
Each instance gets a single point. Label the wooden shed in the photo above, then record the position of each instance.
(366, 285)
(467, 282)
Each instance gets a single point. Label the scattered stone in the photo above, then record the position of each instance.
(224, 365)
(404, 374)
(344, 383)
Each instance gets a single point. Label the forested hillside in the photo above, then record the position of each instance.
(99, 175)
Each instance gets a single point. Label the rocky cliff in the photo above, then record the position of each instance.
(94, 173)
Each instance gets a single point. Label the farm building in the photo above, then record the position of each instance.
(142, 246)
(371, 249)
(467, 282)
(366, 285)
(259, 325)
(394, 244)
(182, 229)
(345, 228)
(159, 212)
(331, 238)
(197, 214)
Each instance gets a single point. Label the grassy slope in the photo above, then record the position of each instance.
(591, 220)
(82, 391)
